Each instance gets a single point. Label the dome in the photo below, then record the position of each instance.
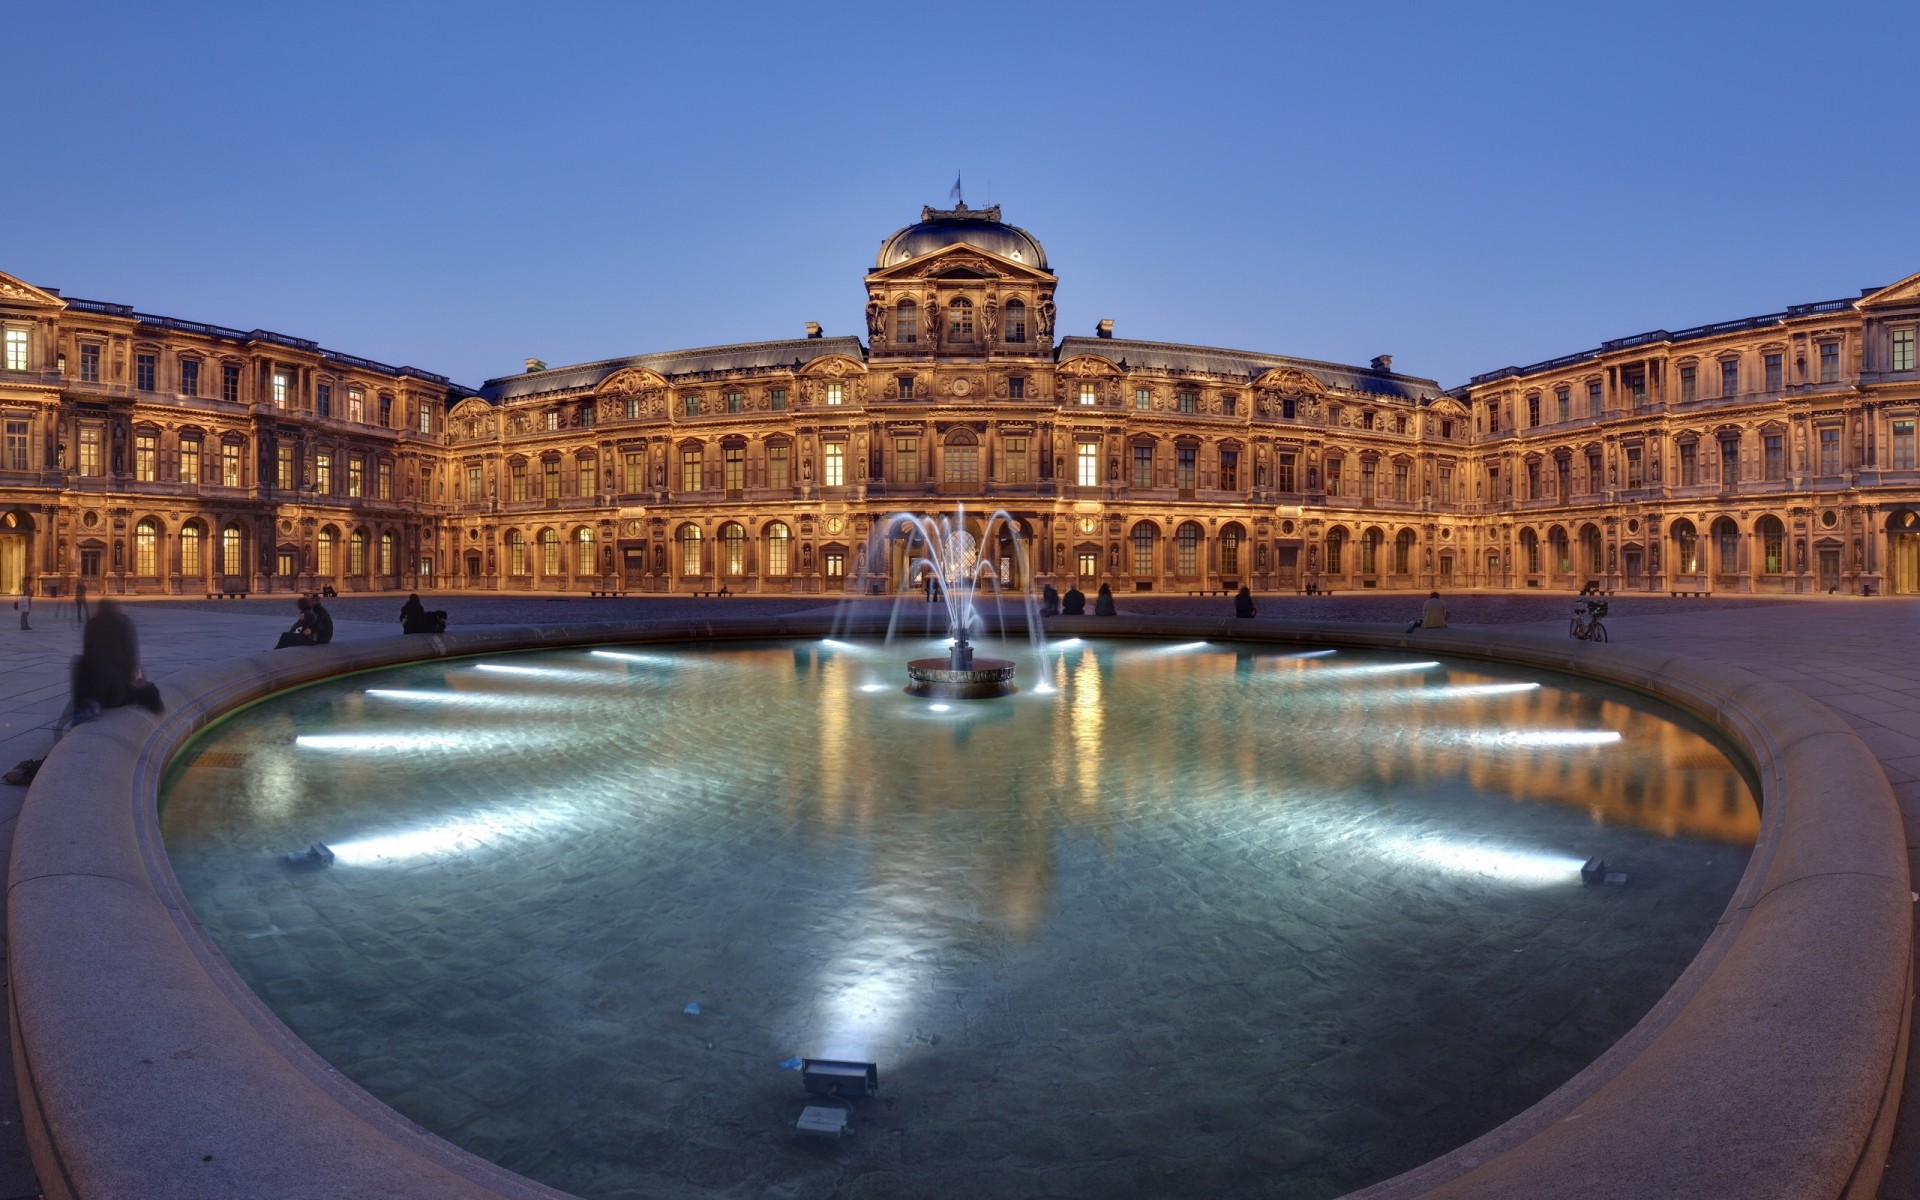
(962, 225)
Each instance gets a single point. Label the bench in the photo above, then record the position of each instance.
(715, 592)
(598, 593)
(228, 594)
(1211, 591)
(1315, 590)
(1686, 594)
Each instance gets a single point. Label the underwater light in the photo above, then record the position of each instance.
(1514, 866)
(940, 707)
(484, 699)
(836, 644)
(508, 669)
(625, 657)
(1547, 737)
(447, 837)
(382, 741)
(1484, 689)
(873, 687)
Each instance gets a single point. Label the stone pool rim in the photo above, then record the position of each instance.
(1771, 1068)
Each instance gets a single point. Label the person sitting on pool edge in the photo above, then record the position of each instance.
(1433, 614)
(1243, 603)
(1103, 603)
(1074, 603)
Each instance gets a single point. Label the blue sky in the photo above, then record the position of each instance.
(461, 186)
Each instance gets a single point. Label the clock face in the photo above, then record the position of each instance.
(633, 528)
(962, 386)
(835, 524)
(1088, 524)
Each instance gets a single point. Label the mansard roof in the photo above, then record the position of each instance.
(674, 365)
(1170, 356)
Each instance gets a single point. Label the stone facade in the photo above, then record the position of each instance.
(144, 454)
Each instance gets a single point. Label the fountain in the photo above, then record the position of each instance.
(957, 568)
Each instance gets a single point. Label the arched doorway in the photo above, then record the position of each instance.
(16, 541)
(1903, 552)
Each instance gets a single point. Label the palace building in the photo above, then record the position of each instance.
(150, 455)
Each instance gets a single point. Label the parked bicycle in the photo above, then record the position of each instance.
(1586, 620)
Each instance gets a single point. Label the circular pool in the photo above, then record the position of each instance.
(1190, 919)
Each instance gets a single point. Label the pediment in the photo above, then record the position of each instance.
(961, 261)
(629, 381)
(1907, 291)
(1083, 365)
(19, 291)
(834, 366)
(1290, 379)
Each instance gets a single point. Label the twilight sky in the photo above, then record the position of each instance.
(461, 186)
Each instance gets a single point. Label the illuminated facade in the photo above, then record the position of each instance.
(150, 455)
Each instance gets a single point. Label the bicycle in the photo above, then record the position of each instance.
(1586, 624)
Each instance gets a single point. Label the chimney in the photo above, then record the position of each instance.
(534, 364)
(1104, 327)
(813, 329)
(1384, 364)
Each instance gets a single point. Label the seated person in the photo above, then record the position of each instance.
(302, 633)
(1049, 602)
(1243, 603)
(107, 673)
(1074, 603)
(1103, 603)
(415, 617)
(322, 624)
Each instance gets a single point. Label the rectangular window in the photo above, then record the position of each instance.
(89, 363)
(230, 465)
(1088, 393)
(733, 468)
(551, 419)
(283, 468)
(1730, 377)
(1772, 363)
(16, 445)
(1016, 387)
(1596, 477)
(587, 472)
(1903, 445)
(779, 474)
(1087, 464)
(1186, 460)
(386, 422)
(1366, 480)
(1689, 384)
(90, 450)
(1636, 381)
(1400, 481)
(1774, 453)
(836, 464)
(323, 474)
(1143, 398)
(282, 388)
(516, 481)
(356, 405)
(778, 399)
(146, 457)
(836, 393)
(905, 383)
(230, 383)
(322, 400)
(1334, 464)
(426, 417)
(383, 481)
(1829, 362)
(1902, 357)
(835, 564)
(1533, 411)
(1283, 473)
(474, 486)
(1187, 401)
(1689, 466)
(190, 461)
(1443, 486)
(1563, 403)
(145, 367)
(1142, 467)
(736, 402)
(1594, 400)
(1229, 470)
(690, 461)
(550, 479)
(356, 476)
(190, 377)
(962, 464)
(1829, 451)
(1729, 462)
(906, 460)
(16, 349)
(1013, 460)
(1633, 466)
(632, 409)
(1493, 416)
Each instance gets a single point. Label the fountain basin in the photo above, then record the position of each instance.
(937, 677)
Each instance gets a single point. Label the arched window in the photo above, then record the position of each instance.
(689, 549)
(1186, 541)
(733, 546)
(1016, 321)
(1530, 550)
(192, 563)
(232, 551)
(960, 320)
(550, 551)
(583, 551)
(1370, 544)
(325, 551)
(1558, 557)
(1590, 542)
(962, 457)
(1143, 549)
(779, 539)
(1403, 552)
(1773, 545)
(146, 548)
(386, 553)
(1686, 548)
(906, 323)
(357, 553)
(516, 552)
(1336, 545)
(1726, 539)
(1230, 539)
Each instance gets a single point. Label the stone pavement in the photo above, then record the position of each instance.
(1861, 657)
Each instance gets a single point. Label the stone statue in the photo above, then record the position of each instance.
(991, 322)
(876, 319)
(1044, 321)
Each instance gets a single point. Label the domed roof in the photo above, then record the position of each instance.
(955, 226)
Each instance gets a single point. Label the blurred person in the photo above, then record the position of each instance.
(107, 673)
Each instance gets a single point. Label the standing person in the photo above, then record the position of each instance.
(1103, 603)
(1433, 614)
(107, 674)
(926, 583)
(25, 605)
(80, 603)
(1074, 603)
(1243, 603)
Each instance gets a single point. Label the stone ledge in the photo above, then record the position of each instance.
(1769, 1069)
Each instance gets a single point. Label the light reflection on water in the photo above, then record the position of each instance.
(1323, 904)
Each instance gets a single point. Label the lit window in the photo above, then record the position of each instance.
(733, 466)
(587, 470)
(283, 467)
(16, 444)
(232, 560)
(779, 540)
(550, 552)
(356, 475)
(90, 450)
(426, 417)
(1088, 394)
(190, 460)
(836, 472)
(689, 550)
(836, 393)
(583, 551)
(733, 549)
(356, 405)
(383, 481)
(552, 418)
(836, 564)
(779, 463)
(146, 548)
(386, 553)
(282, 388)
(190, 553)
(690, 464)
(146, 457)
(1186, 541)
(16, 349)
(516, 553)
(1087, 460)
(323, 474)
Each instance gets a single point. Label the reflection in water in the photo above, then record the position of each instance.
(1116, 930)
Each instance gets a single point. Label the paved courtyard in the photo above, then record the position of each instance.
(1857, 656)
